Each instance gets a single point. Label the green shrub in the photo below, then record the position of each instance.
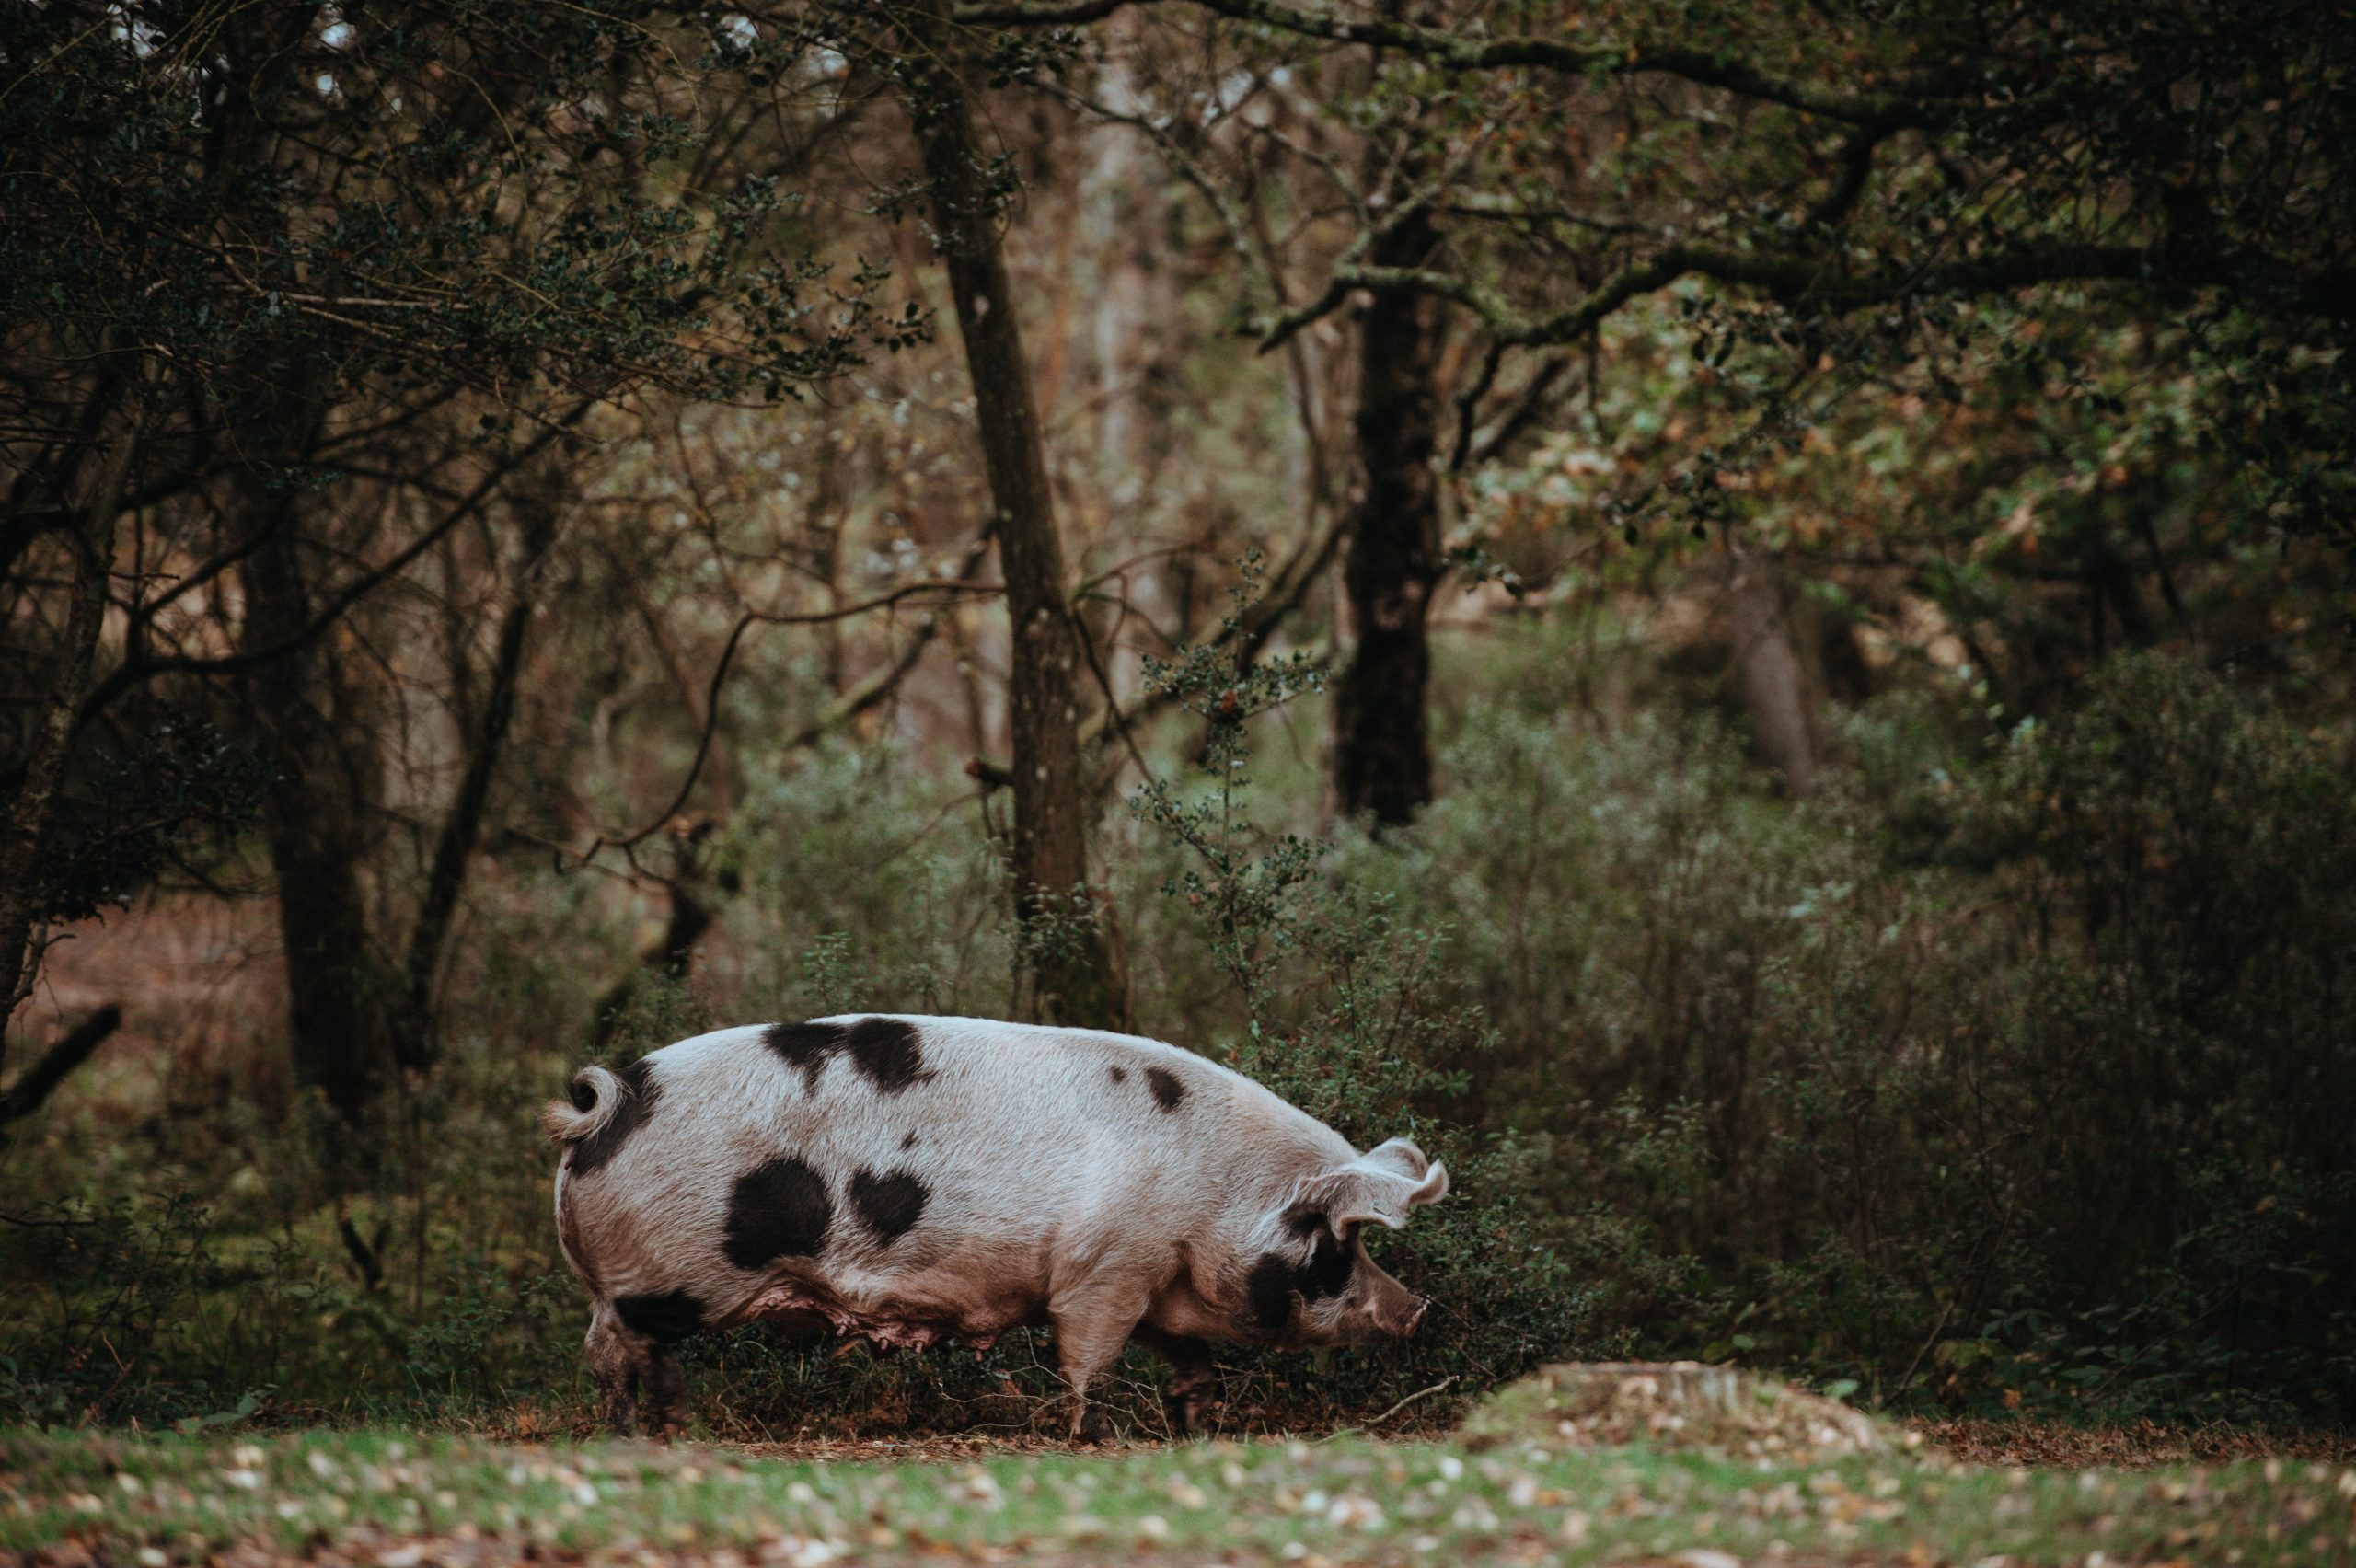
(2044, 1051)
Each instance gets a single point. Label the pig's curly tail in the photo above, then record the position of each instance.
(596, 1095)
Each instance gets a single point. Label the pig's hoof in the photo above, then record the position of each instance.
(1188, 1410)
(1095, 1427)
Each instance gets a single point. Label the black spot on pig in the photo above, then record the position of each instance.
(908, 1142)
(1120, 1075)
(1168, 1092)
(1276, 1279)
(1270, 1287)
(585, 1092)
(888, 1205)
(780, 1210)
(888, 1052)
(806, 1046)
(640, 1092)
(668, 1318)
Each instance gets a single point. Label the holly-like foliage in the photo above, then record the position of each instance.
(1243, 885)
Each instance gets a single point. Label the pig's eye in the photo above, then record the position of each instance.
(1328, 1269)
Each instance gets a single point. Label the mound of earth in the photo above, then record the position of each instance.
(1679, 1404)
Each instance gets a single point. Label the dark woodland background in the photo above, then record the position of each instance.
(1737, 616)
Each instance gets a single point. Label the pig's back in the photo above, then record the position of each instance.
(868, 1088)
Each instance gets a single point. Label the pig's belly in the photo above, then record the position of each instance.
(887, 1319)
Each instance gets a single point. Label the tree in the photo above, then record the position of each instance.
(1836, 203)
(934, 73)
(1382, 759)
(301, 292)
(969, 193)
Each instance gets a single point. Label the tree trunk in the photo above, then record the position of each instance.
(674, 952)
(34, 806)
(1053, 902)
(538, 510)
(1774, 683)
(1383, 762)
(1122, 221)
(315, 821)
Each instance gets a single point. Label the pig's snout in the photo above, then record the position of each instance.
(1389, 1320)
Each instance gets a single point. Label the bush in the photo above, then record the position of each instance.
(2011, 1075)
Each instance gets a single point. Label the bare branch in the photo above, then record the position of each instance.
(1811, 280)
(1714, 68)
(38, 1082)
(1261, 269)
(134, 670)
(956, 586)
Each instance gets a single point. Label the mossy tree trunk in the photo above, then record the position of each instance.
(1070, 960)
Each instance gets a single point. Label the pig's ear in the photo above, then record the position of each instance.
(1399, 1155)
(1382, 1185)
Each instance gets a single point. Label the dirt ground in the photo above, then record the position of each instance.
(2003, 1443)
(2048, 1445)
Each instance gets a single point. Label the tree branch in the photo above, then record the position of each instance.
(1713, 68)
(39, 1080)
(413, 1044)
(132, 672)
(728, 654)
(1260, 269)
(1801, 280)
(1259, 624)
(1526, 405)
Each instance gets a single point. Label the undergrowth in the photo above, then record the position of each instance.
(2015, 1071)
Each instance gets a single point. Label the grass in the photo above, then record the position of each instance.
(401, 1498)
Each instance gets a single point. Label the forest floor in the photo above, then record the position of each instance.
(385, 1498)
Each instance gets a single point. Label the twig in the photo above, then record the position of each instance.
(1915, 1366)
(1111, 700)
(1420, 1393)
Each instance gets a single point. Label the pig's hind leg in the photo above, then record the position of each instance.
(638, 1378)
(615, 1358)
(1193, 1390)
(666, 1389)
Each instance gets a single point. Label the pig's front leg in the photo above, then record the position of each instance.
(1091, 1325)
(1194, 1386)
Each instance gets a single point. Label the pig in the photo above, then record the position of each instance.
(907, 1180)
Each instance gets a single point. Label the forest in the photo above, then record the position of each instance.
(1738, 618)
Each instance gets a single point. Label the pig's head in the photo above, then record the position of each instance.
(1307, 1279)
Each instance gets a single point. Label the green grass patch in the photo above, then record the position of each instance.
(388, 1496)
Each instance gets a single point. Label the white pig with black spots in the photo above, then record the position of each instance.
(908, 1180)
